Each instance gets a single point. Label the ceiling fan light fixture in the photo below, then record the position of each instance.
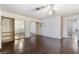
(50, 12)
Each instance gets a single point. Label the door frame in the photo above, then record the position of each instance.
(13, 27)
(36, 27)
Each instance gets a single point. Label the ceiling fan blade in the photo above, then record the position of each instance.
(51, 9)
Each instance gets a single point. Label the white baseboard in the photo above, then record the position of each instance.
(51, 37)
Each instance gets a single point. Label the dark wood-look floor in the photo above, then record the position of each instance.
(41, 45)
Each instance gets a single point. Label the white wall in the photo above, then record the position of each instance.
(27, 28)
(19, 26)
(51, 27)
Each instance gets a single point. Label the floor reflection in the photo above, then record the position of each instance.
(75, 43)
(22, 45)
(42, 45)
(19, 45)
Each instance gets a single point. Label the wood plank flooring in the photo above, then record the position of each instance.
(41, 45)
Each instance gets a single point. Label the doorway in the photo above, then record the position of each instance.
(34, 28)
(7, 31)
(12, 31)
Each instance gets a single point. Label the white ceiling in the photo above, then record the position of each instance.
(29, 9)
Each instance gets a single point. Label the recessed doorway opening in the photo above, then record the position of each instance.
(7, 32)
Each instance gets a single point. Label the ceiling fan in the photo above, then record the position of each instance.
(50, 7)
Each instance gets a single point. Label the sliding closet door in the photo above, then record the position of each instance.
(7, 29)
(19, 29)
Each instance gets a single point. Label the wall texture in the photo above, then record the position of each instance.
(51, 27)
(19, 26)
